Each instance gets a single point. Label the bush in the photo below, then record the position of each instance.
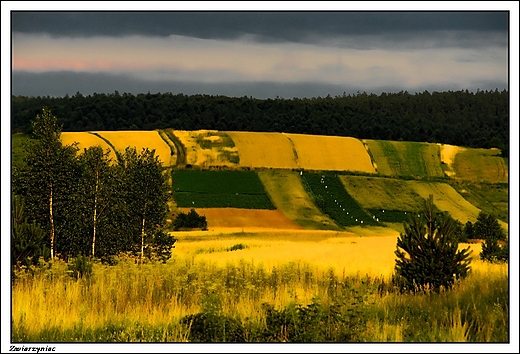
(80, 267)
(427, 253)
(159, 245)
(211, 325)
(493, 252)
(191, 220)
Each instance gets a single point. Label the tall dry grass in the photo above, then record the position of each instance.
(146, 302)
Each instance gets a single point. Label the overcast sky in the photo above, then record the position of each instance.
(258, 53)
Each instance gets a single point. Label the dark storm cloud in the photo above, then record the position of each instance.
(265, 26)
(58, 84)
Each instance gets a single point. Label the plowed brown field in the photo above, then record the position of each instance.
(225, 219)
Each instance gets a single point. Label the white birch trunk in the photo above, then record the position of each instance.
(51, 219)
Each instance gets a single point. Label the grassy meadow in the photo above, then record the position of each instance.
(258, 287)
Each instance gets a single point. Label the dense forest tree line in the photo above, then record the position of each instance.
(473, 119)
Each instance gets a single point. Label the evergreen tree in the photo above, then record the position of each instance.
(487, 228)
(27, 238)
(427, 252)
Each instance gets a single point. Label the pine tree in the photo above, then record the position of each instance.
(27, 238)
(427, 252)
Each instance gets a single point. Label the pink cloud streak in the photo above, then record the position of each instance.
(39, 65)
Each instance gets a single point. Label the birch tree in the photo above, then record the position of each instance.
(98, 189)
(47, 180)
(146, 195)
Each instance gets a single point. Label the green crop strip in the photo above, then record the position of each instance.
(331, 197)
(220, 189)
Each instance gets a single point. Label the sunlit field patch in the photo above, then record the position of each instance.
(139, 139)
(336, 153)
(86, 140)
(272, 150)
(448, 153)
(244, 219)
(345, 252)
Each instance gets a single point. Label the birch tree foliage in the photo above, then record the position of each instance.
(146, 197)
(99, 194)
(47, 179)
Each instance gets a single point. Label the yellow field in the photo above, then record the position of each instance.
(86, 140)
(345, 252)
(335, 153)
(139, 139)
(271, 150)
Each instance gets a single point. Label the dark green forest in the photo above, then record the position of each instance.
(472, 119)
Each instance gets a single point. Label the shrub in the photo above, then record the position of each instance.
(80, 267)
(191, 220)
(211, 325)
(493, 252)
(427, 253)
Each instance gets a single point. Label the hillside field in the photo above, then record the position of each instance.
(290, 197)
(406, 159)
(480, 165)
(377, 182)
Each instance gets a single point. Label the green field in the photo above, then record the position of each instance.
(481, 165)
(219, 189)
(334, 200)
(289, 196)
(406, 159)
(492, 198)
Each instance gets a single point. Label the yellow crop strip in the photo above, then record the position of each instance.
(271, 150)
(86, 140)
(139, 139)
(334, 153)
